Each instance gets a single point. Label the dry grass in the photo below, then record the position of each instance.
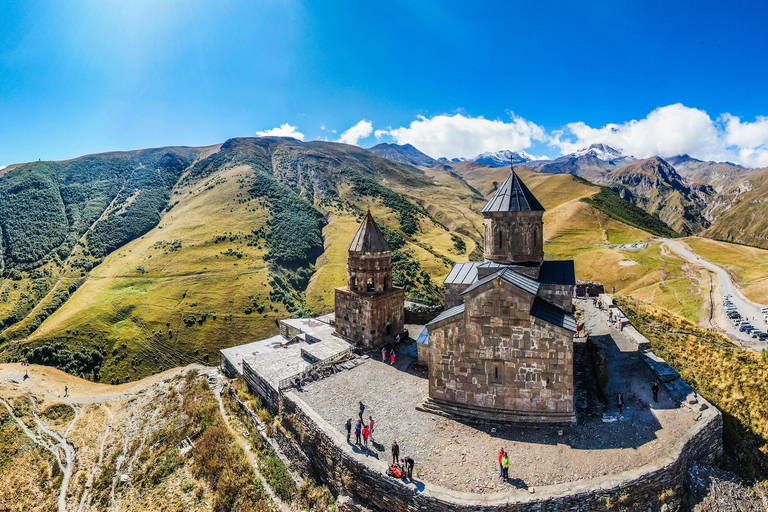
(748, 266)
(732, 378)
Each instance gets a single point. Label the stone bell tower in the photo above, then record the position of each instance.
(369, 310)
(514, 225)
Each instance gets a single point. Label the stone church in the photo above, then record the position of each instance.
(369, 310)
(503, 349)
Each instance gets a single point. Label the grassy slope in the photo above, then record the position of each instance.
(734, 379)
(748, 266)
(124, 304)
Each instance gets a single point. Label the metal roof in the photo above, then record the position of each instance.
(423, 337)
(454, 311)
(552, 314)
(463, 273)
(368, 237)
(513, 196)
(557, 272)
(525, 283)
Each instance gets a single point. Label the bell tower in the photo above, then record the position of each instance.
(369, 310)
(514, 224)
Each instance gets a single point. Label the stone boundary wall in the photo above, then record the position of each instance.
(364, 480)
(420, 314)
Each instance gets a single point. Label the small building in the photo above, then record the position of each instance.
(273, 364)
(369, 309)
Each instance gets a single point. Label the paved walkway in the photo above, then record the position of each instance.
(463, 457)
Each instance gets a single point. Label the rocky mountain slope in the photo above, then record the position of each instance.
(403, 154)
(503, 157)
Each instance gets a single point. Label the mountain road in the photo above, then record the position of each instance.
(746, 308)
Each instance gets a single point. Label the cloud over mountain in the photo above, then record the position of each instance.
(461, 136)
(675, 130)
(361, 130)
(284, 130)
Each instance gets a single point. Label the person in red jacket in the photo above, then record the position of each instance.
(366, 433)
(501, 468)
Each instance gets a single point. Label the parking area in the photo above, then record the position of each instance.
(750, 327)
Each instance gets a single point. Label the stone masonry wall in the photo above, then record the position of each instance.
(505, 363)
(513, 237)
(420, 314)
(558, 294)
(364, 318)
(351, 474)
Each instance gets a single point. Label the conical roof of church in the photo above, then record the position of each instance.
(513, 196)
(368, 237)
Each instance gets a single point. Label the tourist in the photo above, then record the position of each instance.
(655, 389)
(620, 403)
(392, 356)
(501, 466)
(362, 410)
(505, 466)
(358, 431)
(26, 375)
(395, 452)
(366, 433)
(383, 354)
(348, 426)
(370, 426)
(408, 467)
(66, 391)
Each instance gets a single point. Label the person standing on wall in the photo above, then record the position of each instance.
(358, 431)
(501, 465)
(362, 410)
(348, 426)
(655, 389)
(370, 427)
(395, 451)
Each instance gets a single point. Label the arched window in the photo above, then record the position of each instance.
(370, 284)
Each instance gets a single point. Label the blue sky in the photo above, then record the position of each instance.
(453, 78)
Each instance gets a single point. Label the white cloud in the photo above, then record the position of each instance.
(675, 130)
(322, 127)
(461, 136)
(285, 130)
(361, 130)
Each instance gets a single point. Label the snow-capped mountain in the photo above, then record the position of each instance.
(600, 151)
(502, 158)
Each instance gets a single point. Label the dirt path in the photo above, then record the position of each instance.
(39, 437)
(218, 390)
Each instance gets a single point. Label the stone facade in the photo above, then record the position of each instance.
(369, 310)
(369, 319)
(498, 362)
(558, 294)
(514, 237)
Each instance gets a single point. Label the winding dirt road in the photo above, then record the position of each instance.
(746, 307)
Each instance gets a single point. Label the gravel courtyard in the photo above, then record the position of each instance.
(464, 457)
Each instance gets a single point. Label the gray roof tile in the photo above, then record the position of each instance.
(523, 282)
(552, 314)
(369, 237)
(457, 310)
(513, 196)
(463, 273)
